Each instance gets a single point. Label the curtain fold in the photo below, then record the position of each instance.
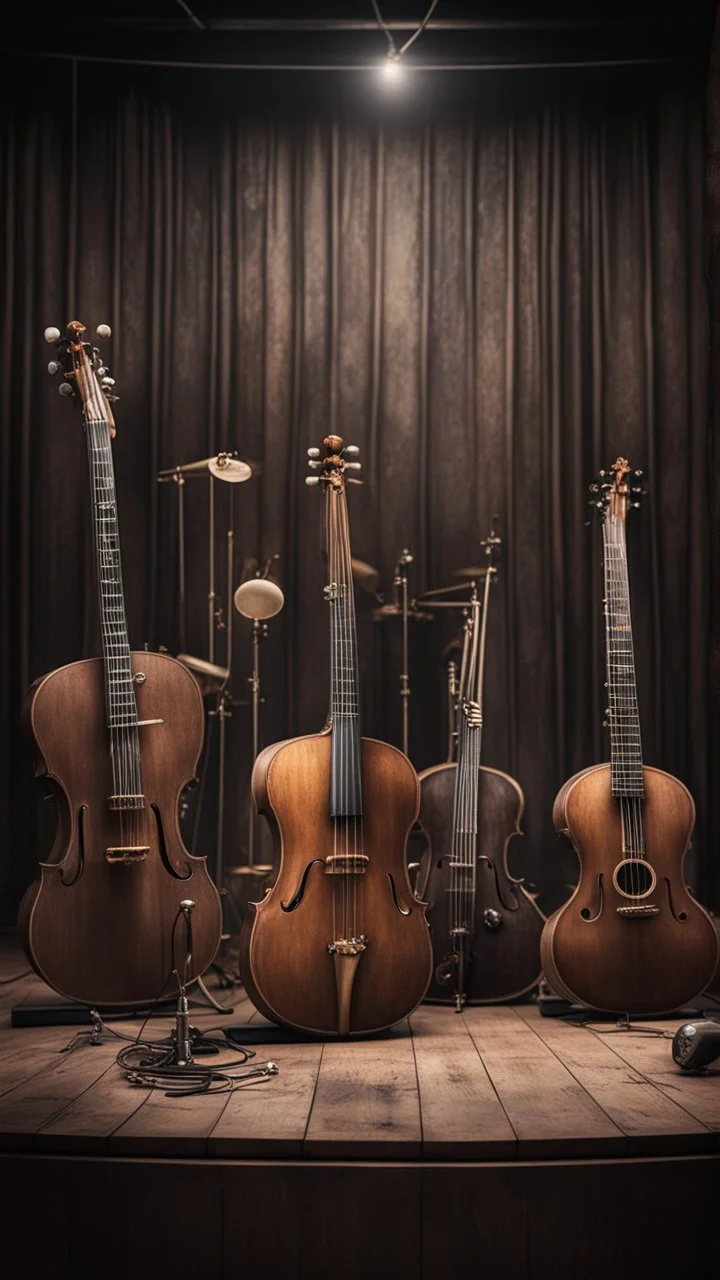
(493, 301)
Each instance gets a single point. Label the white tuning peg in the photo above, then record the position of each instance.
(315, 463)
(313, 453)
(52, 334)
(353, 466)
(312, 480)
(103, 331)
(54, 366)
(65, 389)
(351, 449)
(107, 382)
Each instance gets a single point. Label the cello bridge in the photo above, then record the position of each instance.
(348, 946)
(127, 853)
(343, 864)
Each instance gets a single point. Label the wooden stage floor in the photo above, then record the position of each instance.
(484, 1096)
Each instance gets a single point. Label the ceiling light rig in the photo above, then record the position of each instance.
(392, 67)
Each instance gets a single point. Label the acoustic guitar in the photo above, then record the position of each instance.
(631, 939)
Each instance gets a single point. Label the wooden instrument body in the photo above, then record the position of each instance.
(96, 931)
(284, 958)
(652, 964)
(504, 961)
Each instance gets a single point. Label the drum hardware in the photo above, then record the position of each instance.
(214, 678)
(696, 1045)
(366, 577)
(258, 598)
(400, 607)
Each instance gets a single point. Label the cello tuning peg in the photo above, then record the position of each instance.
(311, 481)
(353, 466)
(103, 331)
(351, 450)
(65, 389)
(637, 473)
(107, 382)
(101, 371)
(602, 473)
(52, 334)
(315, 463)
(635, 504)
(594, 488)
(313, 453)
(54, 366)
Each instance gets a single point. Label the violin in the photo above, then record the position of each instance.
(119, 899)
(485, 925)
(631, 939)
(339, 946)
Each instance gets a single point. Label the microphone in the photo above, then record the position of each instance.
(696, 1044)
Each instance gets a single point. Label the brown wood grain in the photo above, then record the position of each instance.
(270, 1119)
(366, 1102)
(651, 1121)
(698, 1095)
(550, 1112)
(462, 1116)
(30, 1105)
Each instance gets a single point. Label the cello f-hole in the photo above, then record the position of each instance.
(162, 846)
(299, 893)
(80, 850)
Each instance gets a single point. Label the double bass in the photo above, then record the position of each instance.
(631, 939)
(339, 946)
(485, 925)
(120, 903)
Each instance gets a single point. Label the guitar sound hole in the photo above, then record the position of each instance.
(585, 913)
(634, 878)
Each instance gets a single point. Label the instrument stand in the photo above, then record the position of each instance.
(400, 581)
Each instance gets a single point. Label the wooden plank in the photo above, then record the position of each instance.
(651, 1121)
(366, 1102)
(85, 1126)
(161, 1126)
(698, 1095)
(22, 1065)
(270, 1119)
(551, 1113)
(462, 1116)
(32, 1104)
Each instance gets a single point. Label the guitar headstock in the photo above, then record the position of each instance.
(86, 377)
(615, 491)
(339, 458)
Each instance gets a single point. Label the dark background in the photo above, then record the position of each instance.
(492, 281)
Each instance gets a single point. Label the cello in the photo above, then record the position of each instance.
(631, 939)
(117, 738)
(339, 946)
(485, 925)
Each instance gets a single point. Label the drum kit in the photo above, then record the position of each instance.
(257, 599)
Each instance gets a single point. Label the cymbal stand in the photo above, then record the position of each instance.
(259, 632)
(400, 582)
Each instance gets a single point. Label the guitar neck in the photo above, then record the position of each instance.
(119, 688)
(625, 742)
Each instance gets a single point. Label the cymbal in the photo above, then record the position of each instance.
(472, 571)
(395, 611)
(222, 465)
(258, 598)
(365, 576)
(209, 676)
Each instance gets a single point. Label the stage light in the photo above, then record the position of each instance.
(393, 70)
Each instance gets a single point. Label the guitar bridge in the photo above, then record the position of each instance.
(127, 853)
(640, 909)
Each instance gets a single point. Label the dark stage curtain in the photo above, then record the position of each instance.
(492, 295)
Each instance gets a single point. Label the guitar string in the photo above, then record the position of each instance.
(626, 753)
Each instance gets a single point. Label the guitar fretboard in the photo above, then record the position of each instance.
(625, 742)
(346, 776)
